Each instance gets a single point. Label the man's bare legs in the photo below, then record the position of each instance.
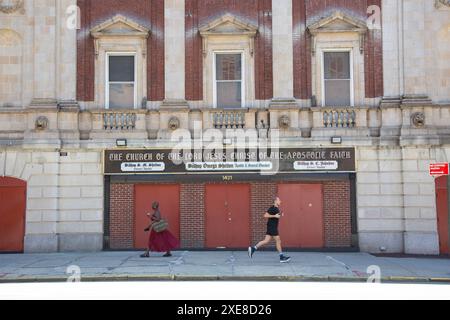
(278, 242)
(265, 242)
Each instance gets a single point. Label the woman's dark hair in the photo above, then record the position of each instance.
(155, 205)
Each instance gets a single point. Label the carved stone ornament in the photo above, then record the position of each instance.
(284, 122)
(442, 3)
(418, 119)
(11, 6)
(41, 123)
(174, 123)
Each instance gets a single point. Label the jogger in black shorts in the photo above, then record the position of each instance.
(273, 216)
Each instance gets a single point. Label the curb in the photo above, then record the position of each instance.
(409, 279)
(440, 280)
(193, 278)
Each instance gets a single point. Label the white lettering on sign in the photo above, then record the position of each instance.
(439, 169)
(224, 166)
(315, 165)
(143, 167)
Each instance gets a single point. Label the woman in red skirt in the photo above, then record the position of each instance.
(159, 241)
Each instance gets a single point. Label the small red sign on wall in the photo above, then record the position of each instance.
(439, 169)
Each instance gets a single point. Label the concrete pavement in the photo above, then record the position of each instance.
(222, 266)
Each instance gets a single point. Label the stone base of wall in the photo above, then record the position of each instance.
(77, 242)
(373, 242)
(87, 242)
(36, 243)
(421, 243)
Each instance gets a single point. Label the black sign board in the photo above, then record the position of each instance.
(262, 161)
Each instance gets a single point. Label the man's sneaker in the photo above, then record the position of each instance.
(285, 259)
(251, 251)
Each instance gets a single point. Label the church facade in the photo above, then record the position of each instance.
(214, 107)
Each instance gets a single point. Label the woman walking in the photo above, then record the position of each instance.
(162, 241)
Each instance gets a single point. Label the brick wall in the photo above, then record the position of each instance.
(262, 195)
(337, 214)
(192, 211)
(200, 12)
(147, 13)
(306, 12)
(121, 216)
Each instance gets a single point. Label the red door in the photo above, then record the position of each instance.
(443, 214)
(227, 216)
(168, 197)
(12, 214)
(302, 223)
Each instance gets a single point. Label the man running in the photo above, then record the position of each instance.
(273, 216)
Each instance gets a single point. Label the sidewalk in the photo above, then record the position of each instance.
(222, 266)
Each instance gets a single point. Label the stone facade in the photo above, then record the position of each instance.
(64, 197)
(55, 142)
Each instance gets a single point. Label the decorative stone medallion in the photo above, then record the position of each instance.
(174, 123)
(11, 6)
(41, 123)
(418, 119)
(284, 122)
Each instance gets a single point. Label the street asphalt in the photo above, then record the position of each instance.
(221, 266)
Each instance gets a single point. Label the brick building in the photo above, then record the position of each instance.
(337, 106)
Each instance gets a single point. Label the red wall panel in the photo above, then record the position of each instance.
(168, 197)
(301, 225)
(443, 214)
(227, 215)
(12, 214)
